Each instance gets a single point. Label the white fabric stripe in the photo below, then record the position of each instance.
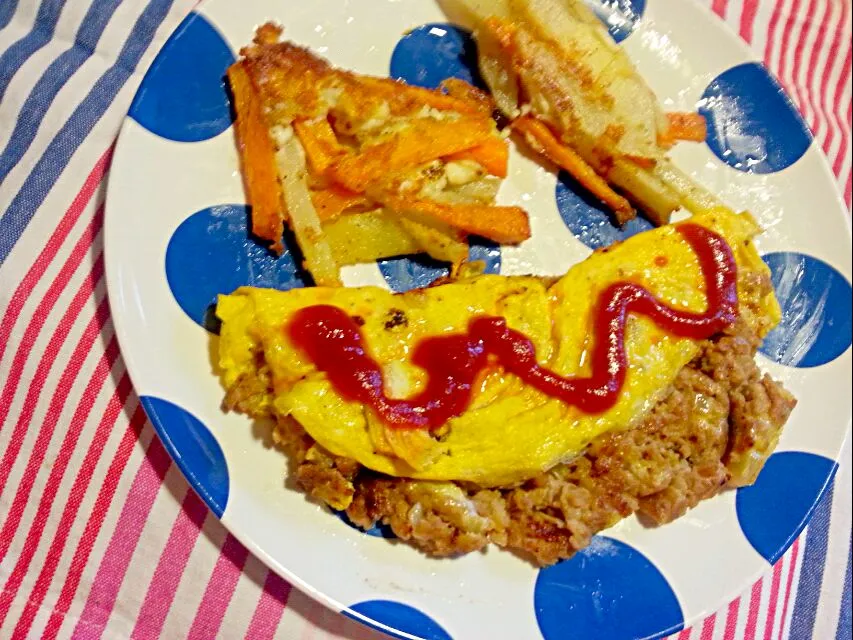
(829, 605)
(742, 614)
(38, 423)
(789, 54)
(24, 80)
(20, 25)
(107, 529)
(797, 569)
(99, 139)
(98, 475)
(760, 26)
(777, 53)
(10, 278)
(71, 94)
(733, 14)
(246, 595)
(841, 111)
(808, 34)
(200, 566)
(763, 606)
(48, 530)
(155, 534)
(787, 568)
(822, 128)
(59, 364)
(838, 119)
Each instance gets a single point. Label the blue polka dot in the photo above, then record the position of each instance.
(211, 252)
(608, 590)
(377, 531)
(193, 448)
(620, 16)
(752, 124)
(817, 313)
(183, 95)
(415, 272)
(774, 510)
(589, 220)
(432, 53)
(397, 616)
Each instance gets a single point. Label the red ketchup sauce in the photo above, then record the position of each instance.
(332, 341)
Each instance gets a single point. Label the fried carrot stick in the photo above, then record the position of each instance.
(257, 156)
(331, 202)
(541, 137)
(321, 146)
(426, 140)
(492, 155)
(506, 225)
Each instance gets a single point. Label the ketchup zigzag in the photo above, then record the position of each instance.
(333, 342)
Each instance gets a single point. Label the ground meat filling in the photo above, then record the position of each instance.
(714, 429)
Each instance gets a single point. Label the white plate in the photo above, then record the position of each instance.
(176, 235)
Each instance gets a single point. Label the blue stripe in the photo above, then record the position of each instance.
(15, 56)
(59, 151)
(845, 624)
(54, 78)
(811, 573)
(7, 10)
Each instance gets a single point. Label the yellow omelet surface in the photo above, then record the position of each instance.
(511, 431)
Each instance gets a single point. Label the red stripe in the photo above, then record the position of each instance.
(114, 563)
(747, 19)
(791, 567)
(720, 7)
(51, 247)
(270, 608)
(57, 402)
(731, 619)
(804, 89)
(71, 579)
(685, 635)
(752, 614)
(708, 627)
(170, 567)
(72, 502)
(220, 590)
(773, 600)
(789, 79)
(827, 73)
(771, 32)
(848, 190)
(843, 81)
(821, 41)
(31, 334)
(60, 465)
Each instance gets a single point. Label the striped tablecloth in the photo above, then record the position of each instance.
(100, 535)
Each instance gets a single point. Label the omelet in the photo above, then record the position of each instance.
(510, 431)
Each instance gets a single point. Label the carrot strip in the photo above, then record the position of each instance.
(396, 92)
(690, 127)
(492, 155)
(540, 135)
(320, 144)
(505, 225)
(425, 140)
(330, 203)
(257, 156)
